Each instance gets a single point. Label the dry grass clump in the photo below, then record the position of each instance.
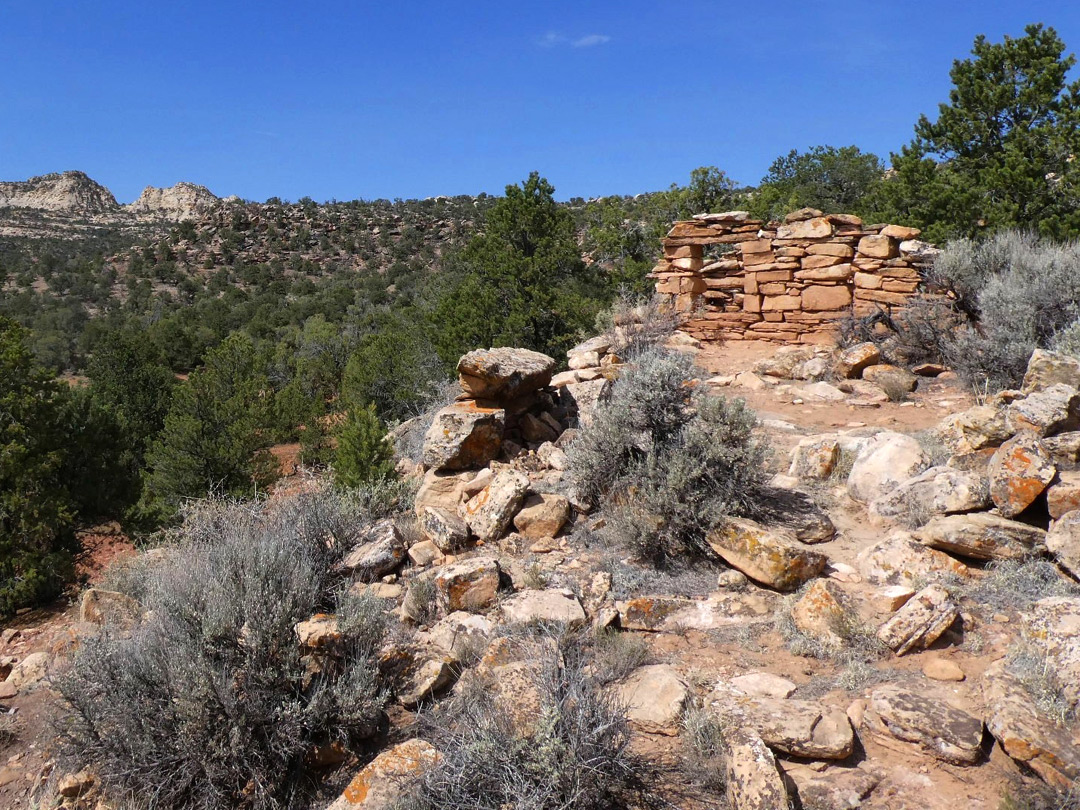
(1016, 585)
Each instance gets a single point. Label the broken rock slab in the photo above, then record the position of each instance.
(823, 611)
(974, 429)
(1052, 410)
(1046, 369)
(504, 374)
(490, 511)
(378, 785)
(769, 557)
(470, 585)
(921, 621)
(982, 536)
(666, 614)
(941, 730)
(753, 780)
(464, 435)
(1052, 625)
(1020, 471)
(935, 491)
(1063, 541)
(553, 605)
(900, 559)
(381, 551)
(655, 697)
(883, 463)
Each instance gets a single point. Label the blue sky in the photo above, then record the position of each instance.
(335, 99)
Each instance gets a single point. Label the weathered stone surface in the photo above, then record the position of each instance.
(900, 559)
(921, 621)
(444, 528)
(424, 553)
(941, 730)
(785, 362)
(460, 634)
(766, 556)
(1046, 369)
(942, 669)
(463, 435)
(1020, 471)
(900, 232)
(814, 228)
(110, 608)
(878, 246)
(854, 360)
(982, 536)
(556, 605)
(542, 516)
(584, 397)
(489, 512)
(428, 672)
(935, 491)
(504, 374)
(378, 785)
(801, 728)
(763, 684)
(822, 391)
(29, 671)
(470, 585)
(823, 612)
(674, 613)
(1027, 736)
(1063, 541)
(822, 298)
(752, 777)
(655, 697)
(319, 633)
(1064, 494)
(442, 490)
(1045, 412)
(1064, 449)
(974, 429)
(891, 378)
(883, 463)
(1052, 625)
(379, 551)
(815, 457)
(836, 788)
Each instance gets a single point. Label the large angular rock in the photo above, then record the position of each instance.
(554, 605)
(935, 491)
(982, 536)
(974, 429)
(378, 785)
(1046, 412)
(769, 557)
(444, 528)
(852, 361)
(381, 550)
(460, 635)
(422, 673)
(814, 458)
(655, 697)
(883, 463)
(542, 516)
(491, 510)
(1046, 369)
(900, 559)
(891, 379)
(320, 633)
(1052, 625)
(470, 585)
(801, 728)
(671, 614)
(585, 397)
(1064, 449)
(941, 730)
(464, 435)
(1020, 471)
(504, 374)
(442, 490)
(753, 780)
(29, 671)
(1063, 541)
(823, 612)
(1063, 495)
(784, 362)
(1024, 733)
(921, 621)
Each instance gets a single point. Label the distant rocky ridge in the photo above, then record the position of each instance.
(74, 194)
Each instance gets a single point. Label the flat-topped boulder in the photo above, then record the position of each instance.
(504, 374)
(464, 435)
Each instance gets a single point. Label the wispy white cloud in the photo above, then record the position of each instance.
(553, 39)
(591, 41)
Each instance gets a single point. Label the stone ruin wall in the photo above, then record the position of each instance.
(732, 277)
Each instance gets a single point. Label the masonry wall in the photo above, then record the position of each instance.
(733, 277)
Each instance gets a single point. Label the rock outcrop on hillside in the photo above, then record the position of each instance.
(66, 193)
(182, 201)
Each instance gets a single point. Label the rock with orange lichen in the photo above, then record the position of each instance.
(378, 785)
(470, 585)
(1020, 472)
(490, 511)
(823, 612)
(768, 556)
(504, 374)
(464, 435)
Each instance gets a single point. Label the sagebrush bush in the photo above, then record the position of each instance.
(575, 754)
(211, 702)
(1021, 291)
(669, 461)
(637, 323)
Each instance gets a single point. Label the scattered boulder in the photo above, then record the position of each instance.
(942, 669)
(935, 491)
(444, 528)
(814, 458)
(378, 785)
(944, 732)
(1052, 625)
(542, 516)
(320, 633)
(470, 585)
(504, 374)
(823, 612)
(460, 634)
(1064, 494)
(554, 605)
(1027, 736)
(763, 684)
(655, 697)
(1020, 471)
(883, 463)
(974, 429)
(753, 780)
(490, 511)
(982, 536)
(464, 435)
(900, 559)
(891, 378)
(854, 360)
(1063, 541)
(770, 557)
(426, 673)
(1046, 369)
(584, 398)
(442, 490)
(921, 621)
(29, 671)
(380, 551)
(101, 607)
(1064, 449)
(1046, 412)
(801, 728)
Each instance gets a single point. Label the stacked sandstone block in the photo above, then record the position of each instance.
(786, 282)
